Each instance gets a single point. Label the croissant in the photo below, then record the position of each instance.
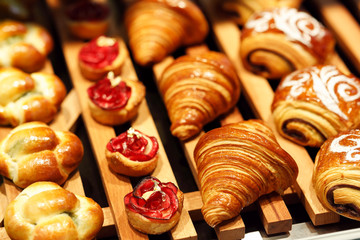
(196, 90)
(34, 152)
(315, 103)
(156, 28)
(279, 41)
(336, 174)
(44, 210)
(24, 46)
(245, 8)
(29, 97)
(237, 163)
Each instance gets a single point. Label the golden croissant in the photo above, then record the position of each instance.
(196, 90)
(336, 174)
(277, 41)
(236, 164)
(156, 28)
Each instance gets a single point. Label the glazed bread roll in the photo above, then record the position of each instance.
(29, 97)
(196, 90)
(279, 41)
(245, 8)
(315, 103)
(34, 152)
(154, 207)
(156, 28)
(44, 210)
(24, 45)
(238, 163)
(336, 174)
(132, 153)
(102, 55)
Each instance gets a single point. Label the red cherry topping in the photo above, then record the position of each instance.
(153, 199)
(87, 11)
(109, 97)
(134, 145)
(99, 52)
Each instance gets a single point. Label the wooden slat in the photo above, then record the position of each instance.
(259, 94)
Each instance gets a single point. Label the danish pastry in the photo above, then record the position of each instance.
(315, 103)
(100, 56)
(279, 41)
(34, 152)
(196, 90)
(157, 28)
(154, 207)
(336, 174)
(132, 153)
(237, 163)
(29, 97)
(115, 100)
(24, 46)
(44, 210)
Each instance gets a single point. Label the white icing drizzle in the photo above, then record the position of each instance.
(328, 84)
(131, 132)
(296, 25)
(352, 152)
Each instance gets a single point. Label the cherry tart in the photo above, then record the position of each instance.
(87, 19)
(113, 100)
(154, 207)
(132, 153)
(100, 56)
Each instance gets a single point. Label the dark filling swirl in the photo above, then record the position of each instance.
(349, 209)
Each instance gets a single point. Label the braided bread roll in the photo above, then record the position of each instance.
(238, 163)
(156, 28)
(315, 103)
(24, 46)
(336, 174)
(196, 90)
(44, 210)
(34, 152)
(278, 41)
(245, 8)
(29, 97)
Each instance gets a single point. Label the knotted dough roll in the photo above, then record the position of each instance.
(278, 41)
(336, 174)
(315, 103)
(236, 164)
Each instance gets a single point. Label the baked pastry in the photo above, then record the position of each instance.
(29, 97)
(279, 41)
(115, 100)
(87, 19)
(315, 103)
(237, 163)
(154, 207)
(243, 9)
(336, 174)
(196, 90)
(100, 56)
(34, 152)
(44, 210)
(156, 28)
(132, 153)
(24, 45)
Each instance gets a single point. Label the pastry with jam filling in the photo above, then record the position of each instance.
(132, 153)
(154, 207)
(336, 174)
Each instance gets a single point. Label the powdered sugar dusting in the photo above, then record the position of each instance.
(352, 152)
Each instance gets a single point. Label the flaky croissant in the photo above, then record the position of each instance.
(336, 174)
(245, 8)
(156, 28)
(277, 41)
(236, 164)
(196, 90)
(315, 103)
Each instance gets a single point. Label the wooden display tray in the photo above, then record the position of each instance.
(273, 211)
